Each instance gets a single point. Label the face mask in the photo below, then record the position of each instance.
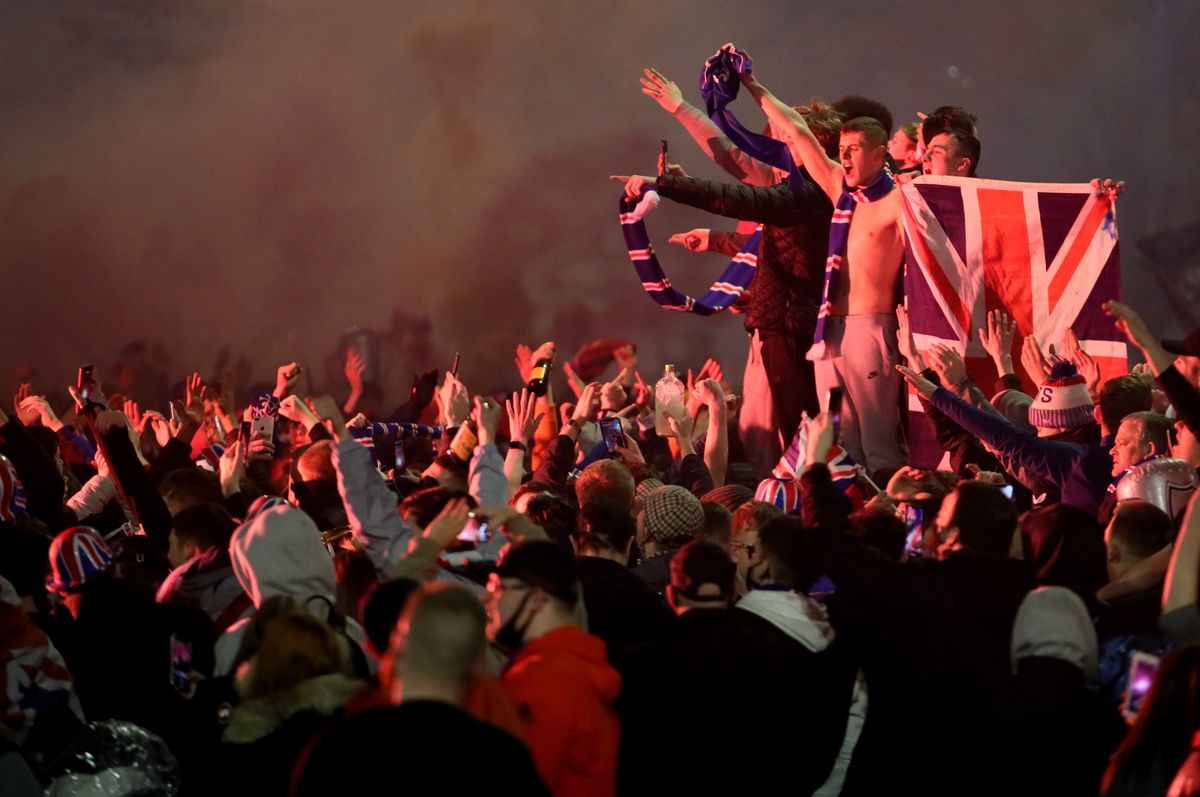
(508, 636)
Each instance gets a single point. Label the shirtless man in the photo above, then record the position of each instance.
(857, 350)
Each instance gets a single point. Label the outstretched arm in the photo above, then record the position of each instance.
(801, 142)
(712, 142)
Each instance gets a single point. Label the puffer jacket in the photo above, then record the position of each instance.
(785, 291)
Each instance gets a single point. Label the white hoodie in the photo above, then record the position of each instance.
(806, 621)
(279, 552)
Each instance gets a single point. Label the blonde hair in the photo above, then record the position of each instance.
(296, 646)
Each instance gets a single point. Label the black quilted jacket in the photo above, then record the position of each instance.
(786, 290)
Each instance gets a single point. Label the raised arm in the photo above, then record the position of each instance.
(712, 142)
(803, 145)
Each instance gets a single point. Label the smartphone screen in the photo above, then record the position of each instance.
(181, 664)
(1007, 489)
(476, 530)
(614, 435)
(1142, 669)
(85, 381)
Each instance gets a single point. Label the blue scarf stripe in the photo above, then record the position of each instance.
(732, 283)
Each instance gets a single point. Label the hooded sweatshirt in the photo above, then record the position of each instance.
(279, 552)
(208, 582)
(1043, 715)
(805, 620)
(564, 688)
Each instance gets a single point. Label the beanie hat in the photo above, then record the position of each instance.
(673, 513)
(1062, 401)
(783, 493)
(1014, 405)
(730, 496)
(77, 556)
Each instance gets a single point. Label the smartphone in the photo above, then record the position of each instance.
(476, 530)
(244, 439)
(181, 664)
(833, 404)
(662, 157)
(1007, 489)
(614, 434)
(454, 368)
(1142, 669)
(85, 381)
(263, 426)
(914, 518)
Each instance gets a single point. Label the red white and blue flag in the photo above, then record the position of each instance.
(1044, 253)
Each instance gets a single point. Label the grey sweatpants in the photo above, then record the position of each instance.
(861, 357)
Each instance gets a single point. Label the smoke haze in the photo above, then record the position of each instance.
(265, 175)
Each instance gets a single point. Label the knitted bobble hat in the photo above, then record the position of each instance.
(1062, 401)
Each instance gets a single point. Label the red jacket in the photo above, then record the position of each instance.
(564, 688)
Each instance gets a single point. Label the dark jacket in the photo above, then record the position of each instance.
(43, 483)
(267, 734)
(926, 633)
(721, 671)
(1184, 397)
(1037, 732)
(1081, 472)
(785, 291)
(621, 608)
(449, 752)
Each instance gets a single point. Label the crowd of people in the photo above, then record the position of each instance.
(545, 591)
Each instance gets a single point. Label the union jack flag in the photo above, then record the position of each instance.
(782, 487)
(1044, 253)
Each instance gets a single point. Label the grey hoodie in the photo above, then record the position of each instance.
(1053, 623)
(279, 552)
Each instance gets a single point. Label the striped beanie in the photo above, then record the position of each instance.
(1062, 401)
(77, 556)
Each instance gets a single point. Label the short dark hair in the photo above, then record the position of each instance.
(205, 525)
(423, 506)
(945, 118)
(605, 525)
(1155, 428)
(556, 516)
(869, 127)
(880, 529)
(783, 541)
(718, 523)
(701, 562)
(192, 486)
(985, 518)
(853, 106)
(1141, 528)
(966, 145)
(1121, 396)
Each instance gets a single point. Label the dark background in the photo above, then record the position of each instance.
(263, 175)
